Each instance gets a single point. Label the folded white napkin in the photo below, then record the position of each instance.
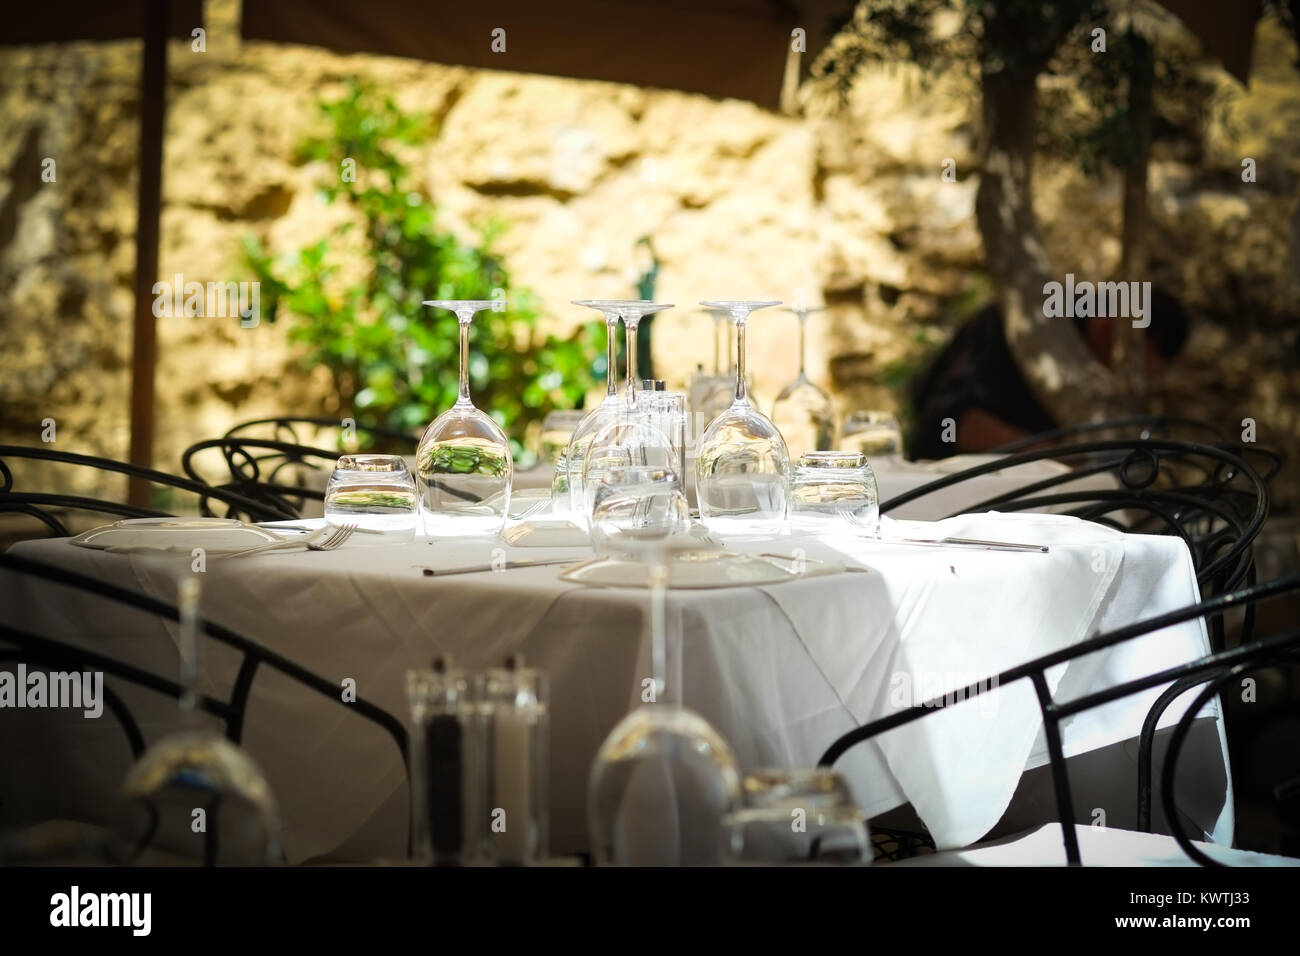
(933, 620)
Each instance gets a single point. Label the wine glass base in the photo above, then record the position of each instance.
(742, 526)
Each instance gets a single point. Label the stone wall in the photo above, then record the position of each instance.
(846, 207)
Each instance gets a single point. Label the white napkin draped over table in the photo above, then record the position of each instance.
(958, 616)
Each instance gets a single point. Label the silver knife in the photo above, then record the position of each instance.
(976, 543)
(508, 566)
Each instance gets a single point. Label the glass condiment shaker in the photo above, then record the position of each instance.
(513, 702)
(446, 765)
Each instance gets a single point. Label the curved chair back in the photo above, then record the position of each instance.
(287, 428)
(1126, 427)
(270, 473)
(266, 460)
(232, 710)
(47, 507)
(1216, 669)
(1209, 496)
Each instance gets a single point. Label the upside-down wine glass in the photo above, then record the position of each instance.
(194, 794)
(611, 412)
(803, 412)
(874, 433)
(743, 464)
(601, 415)
(463, 464)
(664, 780)
(716, 396)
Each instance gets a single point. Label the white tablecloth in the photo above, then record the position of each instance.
(780, 671)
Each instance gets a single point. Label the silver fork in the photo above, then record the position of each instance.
(330, 542)
(531, 510)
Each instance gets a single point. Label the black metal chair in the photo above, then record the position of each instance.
(1126, 427)
(266, 460)
(17, 644)
(1215, 670)
(1145, 427)
(273, 474)
(1209, 496)
(366, 436)
(47, 507)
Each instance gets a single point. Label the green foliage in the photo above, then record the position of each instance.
(941, 35)
(1086, 122)
(354, 294)
(1094, 128)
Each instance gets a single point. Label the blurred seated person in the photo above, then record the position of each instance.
(976, 382)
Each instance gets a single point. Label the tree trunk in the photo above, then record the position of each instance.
(1126, 354)
(1052, 356)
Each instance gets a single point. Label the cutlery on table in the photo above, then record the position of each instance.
(329, 538)
(531, 509)
(977, 543)
(310, 528)
(508, 566)
(791, 559)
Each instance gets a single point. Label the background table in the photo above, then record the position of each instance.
(780, 671)
(896, 476)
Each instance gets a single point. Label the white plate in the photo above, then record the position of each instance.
(546, 532)
(213, 535)
(698, 569)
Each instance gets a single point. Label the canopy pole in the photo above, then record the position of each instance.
(144, 343)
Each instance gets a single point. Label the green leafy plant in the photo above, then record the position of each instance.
(354, 295)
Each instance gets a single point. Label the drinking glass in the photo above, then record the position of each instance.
(463, 465)
(742, 467)
(798, 817)
(609, 410)
(664, 779)
(376, 493)
(802, 411)
(831, 489)
(635, 508)
(196, 768)
(874, 433)
(557, 429)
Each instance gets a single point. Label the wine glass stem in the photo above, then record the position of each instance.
(717, 359)
(741, 398)
(188, 606)
(630, 325)
(464, 319)
(658, 629)
(801, 343)
(611, 355)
